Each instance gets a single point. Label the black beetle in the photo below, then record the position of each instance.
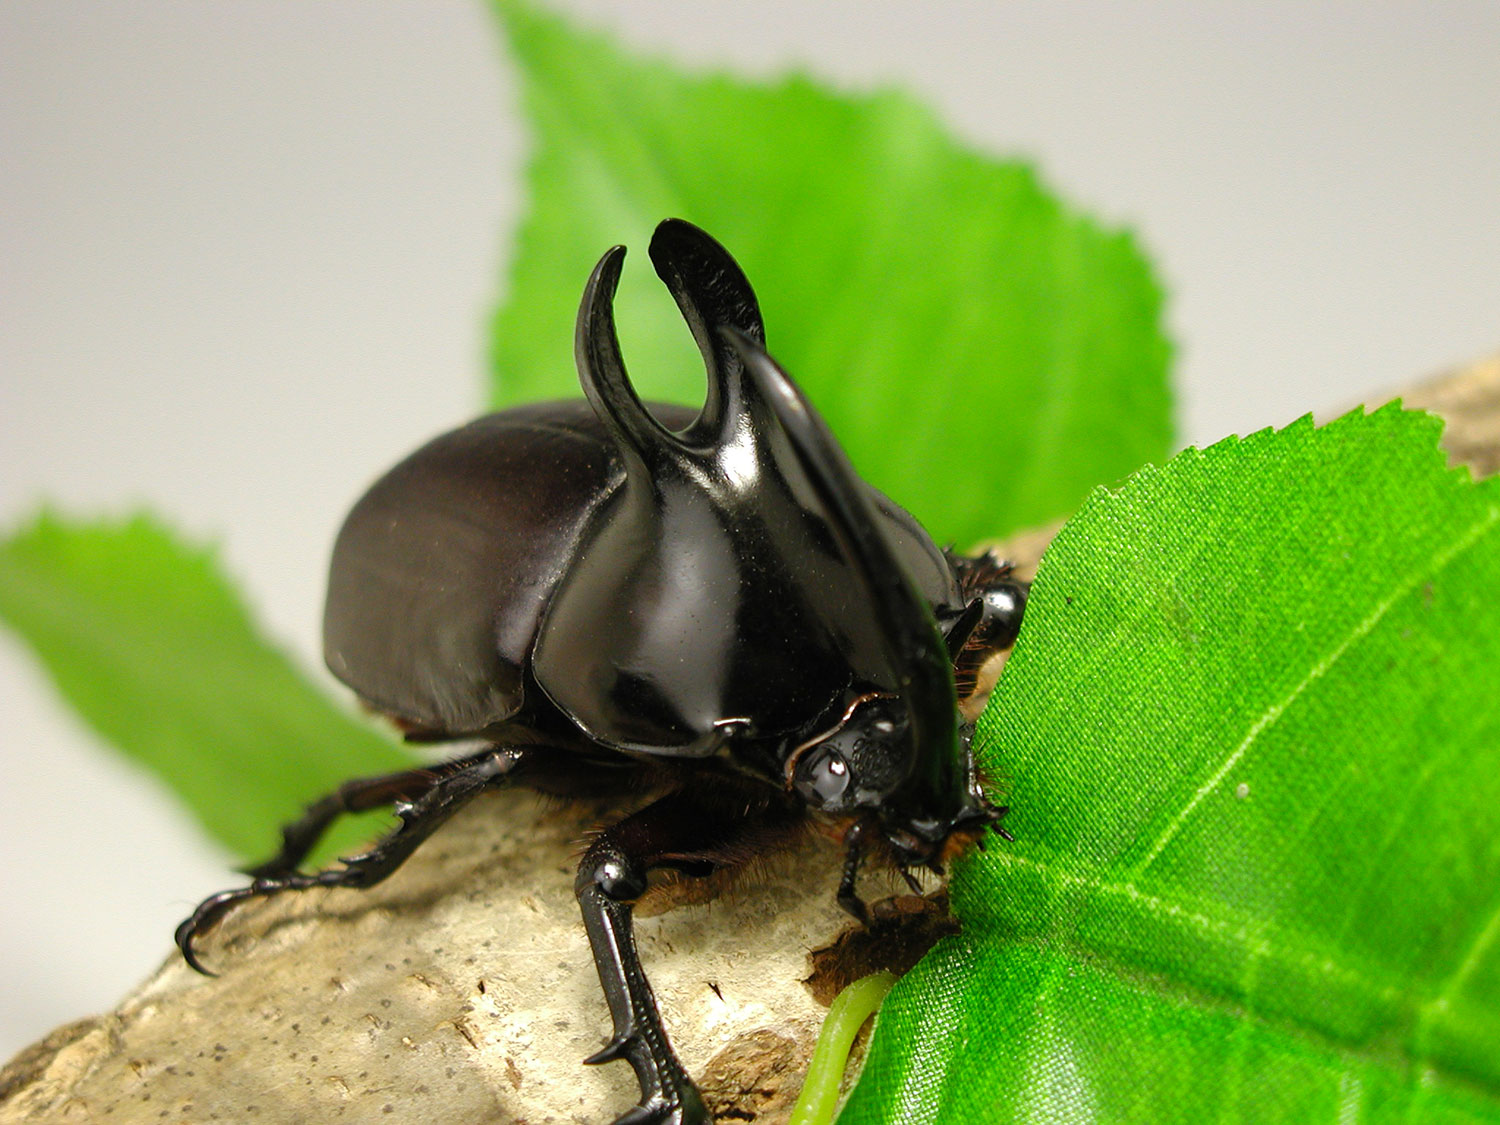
(707, 604)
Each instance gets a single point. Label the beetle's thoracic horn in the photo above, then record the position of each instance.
(913, 643)
(602, 371)
(712, 292)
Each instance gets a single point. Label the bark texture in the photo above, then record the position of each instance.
(462, 989)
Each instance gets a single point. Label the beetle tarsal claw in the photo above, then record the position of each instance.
(184, 938)
(209, 913)
(855, 907)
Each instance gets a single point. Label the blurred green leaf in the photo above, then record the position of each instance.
(914, 287)
(146, 640)
(1251, 741)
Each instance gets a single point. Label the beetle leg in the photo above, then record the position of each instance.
(359, 795)
(991, 621)
(418, 820)
(854, 849)
(667, 1093)
(991, 580)
(698, 834)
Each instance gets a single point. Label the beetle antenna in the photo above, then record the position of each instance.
(913, 643)
(601, 369)
(713, 293)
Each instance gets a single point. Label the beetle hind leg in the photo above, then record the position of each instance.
(419, 818)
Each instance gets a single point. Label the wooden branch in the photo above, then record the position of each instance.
(1469, 402)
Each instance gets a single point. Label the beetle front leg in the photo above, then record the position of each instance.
(708, 831)
(995, 603)
(608, 887)
(848, 893)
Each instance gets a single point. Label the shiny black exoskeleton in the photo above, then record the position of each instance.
(709, 604)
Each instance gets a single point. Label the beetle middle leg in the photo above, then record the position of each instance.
(698, 833)
(300, 836)
(419, 818)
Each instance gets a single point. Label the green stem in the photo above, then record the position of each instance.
(846, 1015)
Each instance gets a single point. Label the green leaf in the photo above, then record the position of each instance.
(1251, 742)
(911, 285)
(149, 644)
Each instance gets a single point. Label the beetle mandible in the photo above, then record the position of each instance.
(710, 605)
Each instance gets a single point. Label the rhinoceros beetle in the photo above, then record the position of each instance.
(707, 605)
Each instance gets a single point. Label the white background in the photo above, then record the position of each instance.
(247, 251)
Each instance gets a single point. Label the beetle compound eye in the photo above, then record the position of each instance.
(861, 760)
(823, 779)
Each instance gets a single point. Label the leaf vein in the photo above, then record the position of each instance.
(1443, 999)
(1272, 714)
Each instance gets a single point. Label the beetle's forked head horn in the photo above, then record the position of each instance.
(713, 293)
(601, 370)
(758, 449)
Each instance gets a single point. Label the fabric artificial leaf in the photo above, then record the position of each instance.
(148, 643)
(910, 284)
(1250, 738)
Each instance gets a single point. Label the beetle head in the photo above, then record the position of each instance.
(866, 767)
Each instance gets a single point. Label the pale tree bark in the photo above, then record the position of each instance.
(462, 989)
